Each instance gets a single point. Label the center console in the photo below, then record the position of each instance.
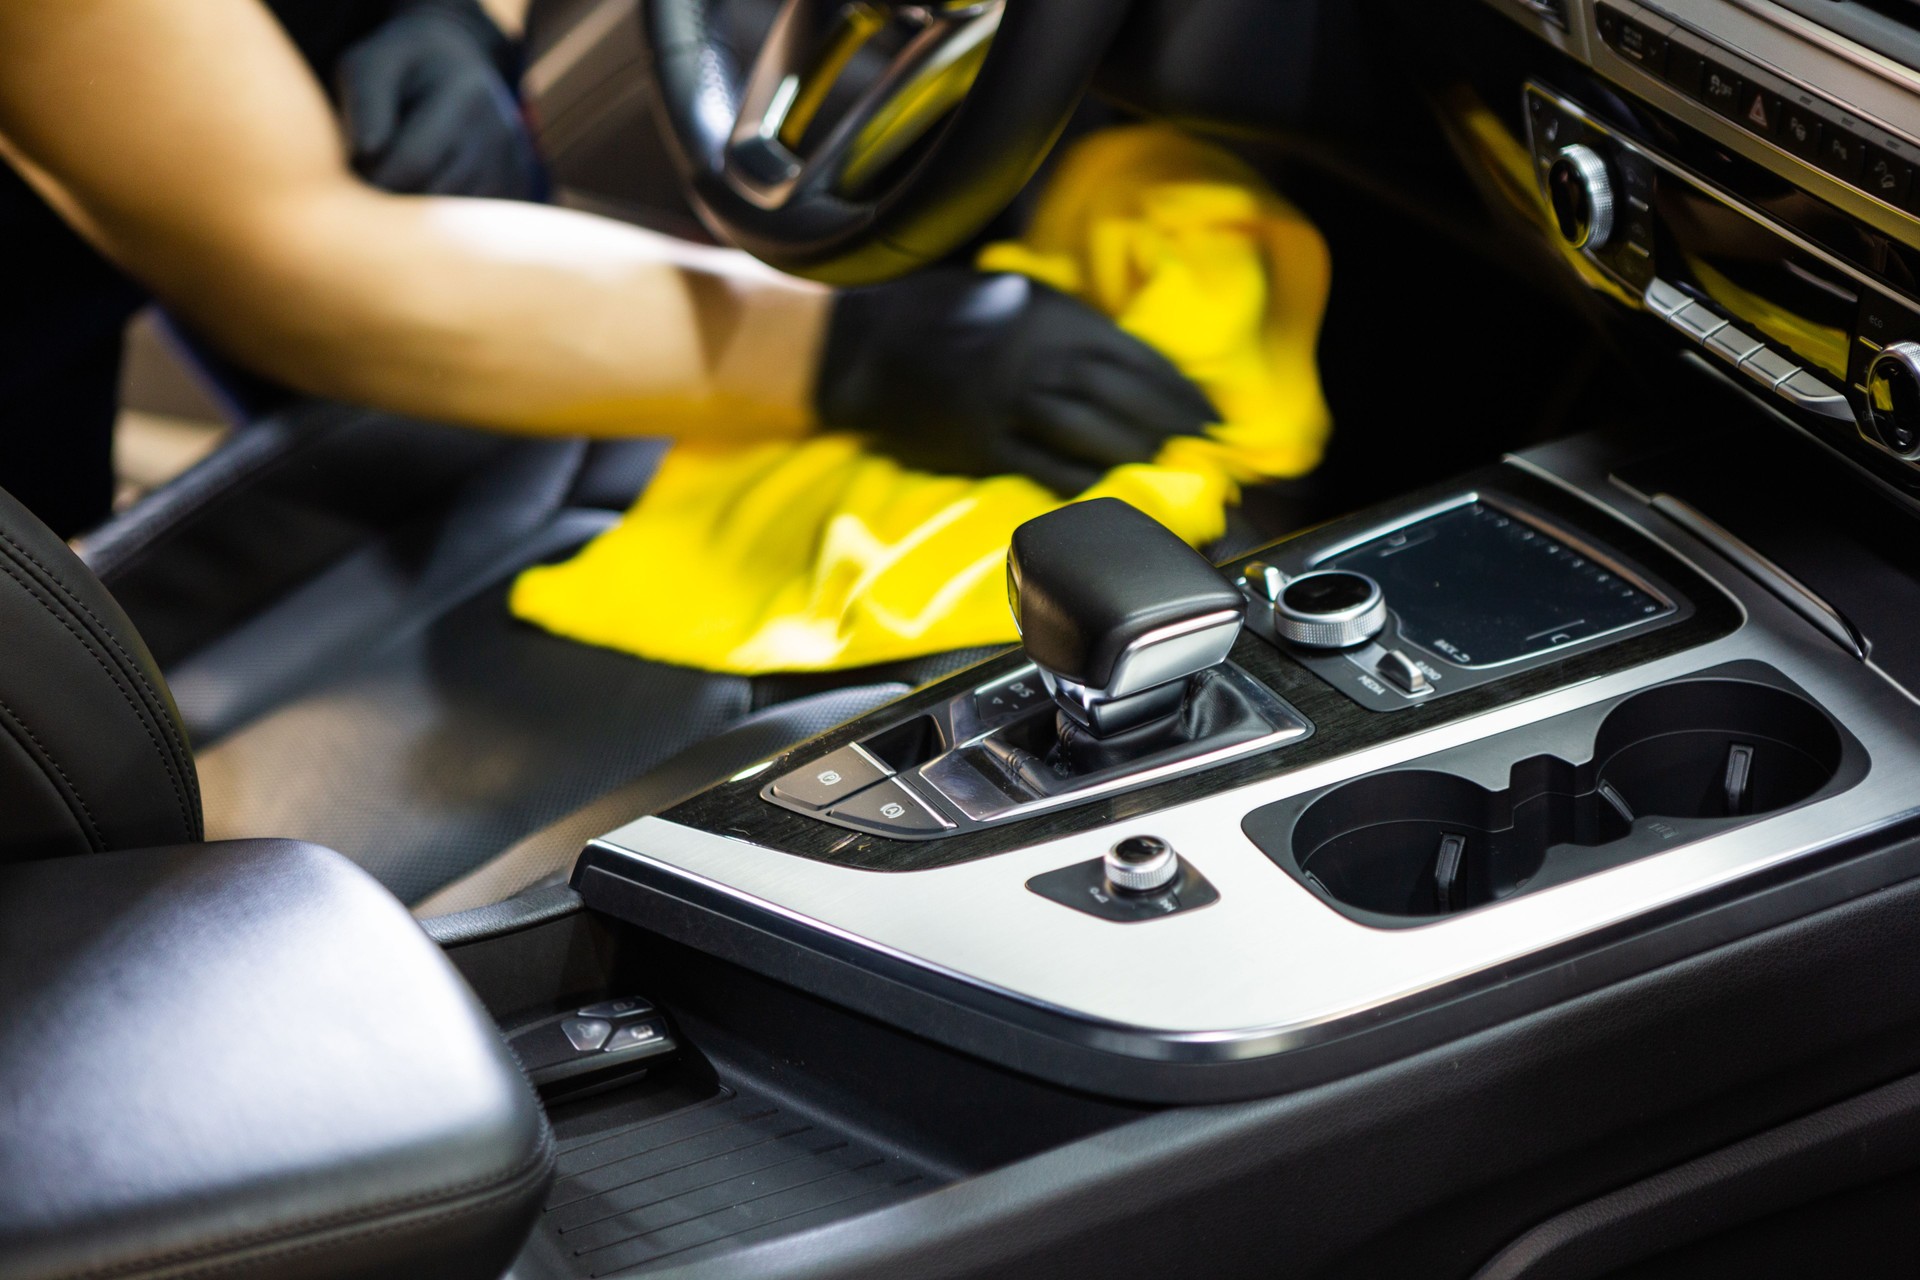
(1210, 834)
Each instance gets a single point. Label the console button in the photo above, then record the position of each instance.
(1663, 299)
(1842, 154)
(1810, 393)
(831, 778)
(1607, 19)
(1733, 345)
(634, 1035)
(1884, 321)
(586, 1034)
(1685, 69)
(1888, 177)
(1637, 44)
(1800, 131)
(1402, 672)
(1697, 322)
(1768, 368)
(890, 809)
(627, 1008)
(1722, 90)
(1760, 111)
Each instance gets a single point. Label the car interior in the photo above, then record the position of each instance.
(1497, 856)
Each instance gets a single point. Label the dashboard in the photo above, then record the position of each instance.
(1749, 173)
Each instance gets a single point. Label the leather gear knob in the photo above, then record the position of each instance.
(1112, 607)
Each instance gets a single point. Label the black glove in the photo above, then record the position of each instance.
(428, 106)
(962, 373)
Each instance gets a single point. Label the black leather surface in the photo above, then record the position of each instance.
(1091, 578)
(92, 754)
(246, 1060)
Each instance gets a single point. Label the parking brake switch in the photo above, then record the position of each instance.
(605, 1043)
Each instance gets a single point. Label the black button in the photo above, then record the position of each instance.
(1842, 154)
(630, 1007)
(1722, 90)
(1607, 20)
(832, 777)
(1684, 70)
(1760, 111)
(1884, 322)
(1800, 131)
(1888, 177)
(1637, 44)
(586, 1034)
(890, 809)
(640, 1035)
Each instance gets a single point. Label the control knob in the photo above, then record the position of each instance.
(1580, 188)
(1142, 864)
(1893, 397)
(1329, 609)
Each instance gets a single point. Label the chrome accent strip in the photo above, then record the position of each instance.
(1797, 595)
(1172, 652)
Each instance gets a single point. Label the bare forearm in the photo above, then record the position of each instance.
(215, 175)
(518, 317)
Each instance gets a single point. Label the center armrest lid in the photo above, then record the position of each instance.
(247, 1058)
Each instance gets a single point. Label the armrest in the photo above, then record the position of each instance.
(247, 1059)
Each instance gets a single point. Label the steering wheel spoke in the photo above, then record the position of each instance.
(793, 135)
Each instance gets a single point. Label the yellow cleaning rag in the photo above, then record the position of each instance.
(820, 555)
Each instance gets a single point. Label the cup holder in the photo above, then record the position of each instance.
(1716, 749)
(1668, 764)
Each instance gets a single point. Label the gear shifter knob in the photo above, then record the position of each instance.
(1117, 612)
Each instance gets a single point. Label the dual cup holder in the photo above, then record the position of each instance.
(1582, 792)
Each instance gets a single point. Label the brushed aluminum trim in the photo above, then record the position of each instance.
(1269, 967)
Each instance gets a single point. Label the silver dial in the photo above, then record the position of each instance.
(1142, 864)
(1580, 188)
(1330, 609)
(1893, 398)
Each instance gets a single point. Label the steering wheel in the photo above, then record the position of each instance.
(865, 138)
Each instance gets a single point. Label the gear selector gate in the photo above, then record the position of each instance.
(1128, 631)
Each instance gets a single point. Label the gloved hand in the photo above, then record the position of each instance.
(957, 372)
(428, 107)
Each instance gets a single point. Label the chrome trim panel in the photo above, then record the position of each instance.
(1764, 571)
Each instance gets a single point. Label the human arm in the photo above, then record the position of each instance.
(215, 175)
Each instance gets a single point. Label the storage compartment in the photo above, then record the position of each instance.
(780, 1113)
(1586, 791)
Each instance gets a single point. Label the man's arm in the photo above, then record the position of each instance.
(187, 141)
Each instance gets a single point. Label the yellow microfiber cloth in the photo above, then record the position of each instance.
(820, 555)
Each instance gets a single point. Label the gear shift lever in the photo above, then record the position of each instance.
(1117, 613)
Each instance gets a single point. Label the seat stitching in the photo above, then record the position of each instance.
(54, 612)
(157, 705)
(76, 804)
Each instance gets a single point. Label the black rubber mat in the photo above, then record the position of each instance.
(668, 1178)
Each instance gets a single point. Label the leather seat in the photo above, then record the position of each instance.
(218, 1048)
(92, 753)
